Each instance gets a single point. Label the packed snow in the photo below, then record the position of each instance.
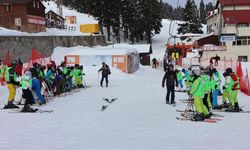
(139, 119)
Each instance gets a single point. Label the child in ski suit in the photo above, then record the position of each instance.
(12, 84)
(36, 87)
(216, 81)
(226, 91)
(2, 73)
(26, 84)
(234, 86)
(180, 79)
(189, 79)
(207, 87)
(198, 93)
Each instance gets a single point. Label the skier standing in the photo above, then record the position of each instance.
(235, 87)
(216, 81)
(180, 79)
(12, 84)
(198, 93)
(170, 80)
(26, 84)
(226, 90)
(105, 72)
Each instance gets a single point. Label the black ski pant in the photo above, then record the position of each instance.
(170, 90)
(106, 80)
(27, 94)
(205, 102)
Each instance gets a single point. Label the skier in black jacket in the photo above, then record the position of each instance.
(170, 80)
(105, 72)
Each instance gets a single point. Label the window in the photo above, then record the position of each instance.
(244, 40)
(34, 4)
(242, 58)
(38, 4)
(8, 7)
(242, 25)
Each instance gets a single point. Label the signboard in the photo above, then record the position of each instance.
(18, 22)
(213, 48)
(228, 38)
(70, 20)
(36, 20)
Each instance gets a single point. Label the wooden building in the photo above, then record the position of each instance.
(23, 15)
(53, 20)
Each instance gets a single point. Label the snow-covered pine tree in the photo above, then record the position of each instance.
(202, 12)
(191, 19)
(150, 11)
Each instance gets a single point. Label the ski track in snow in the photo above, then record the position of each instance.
(138, 120)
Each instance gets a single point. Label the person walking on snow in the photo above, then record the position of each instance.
(105, 73)
(170, 80)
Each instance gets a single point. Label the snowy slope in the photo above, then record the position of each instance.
(138, 120)
(160, 40)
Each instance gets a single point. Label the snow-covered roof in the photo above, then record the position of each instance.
(102, 51)
(80, 17)
(141, 48)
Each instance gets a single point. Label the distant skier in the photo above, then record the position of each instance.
(105, 73)
(180, 79)
(170, 80)
(154, 63)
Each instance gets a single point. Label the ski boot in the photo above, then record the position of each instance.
(27, 109)
(225, 105)
(198, 117)
(10, 105)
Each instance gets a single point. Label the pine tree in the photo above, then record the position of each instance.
(191, 17)
(150, 11)
(202, 12)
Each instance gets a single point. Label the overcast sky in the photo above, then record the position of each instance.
(183, 2)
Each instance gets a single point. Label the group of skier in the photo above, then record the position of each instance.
(204, 86)
(39, 82)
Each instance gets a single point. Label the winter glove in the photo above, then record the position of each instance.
(223, 87)
(216, 86)
(162, 86)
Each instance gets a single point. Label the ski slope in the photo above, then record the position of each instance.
(138, 120)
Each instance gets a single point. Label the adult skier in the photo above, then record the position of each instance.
(105, 73)
(170, 80)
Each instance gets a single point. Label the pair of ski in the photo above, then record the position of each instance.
(211, 120)
(189, 117)
(223, 110)
(104, 107)
(18, 110)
